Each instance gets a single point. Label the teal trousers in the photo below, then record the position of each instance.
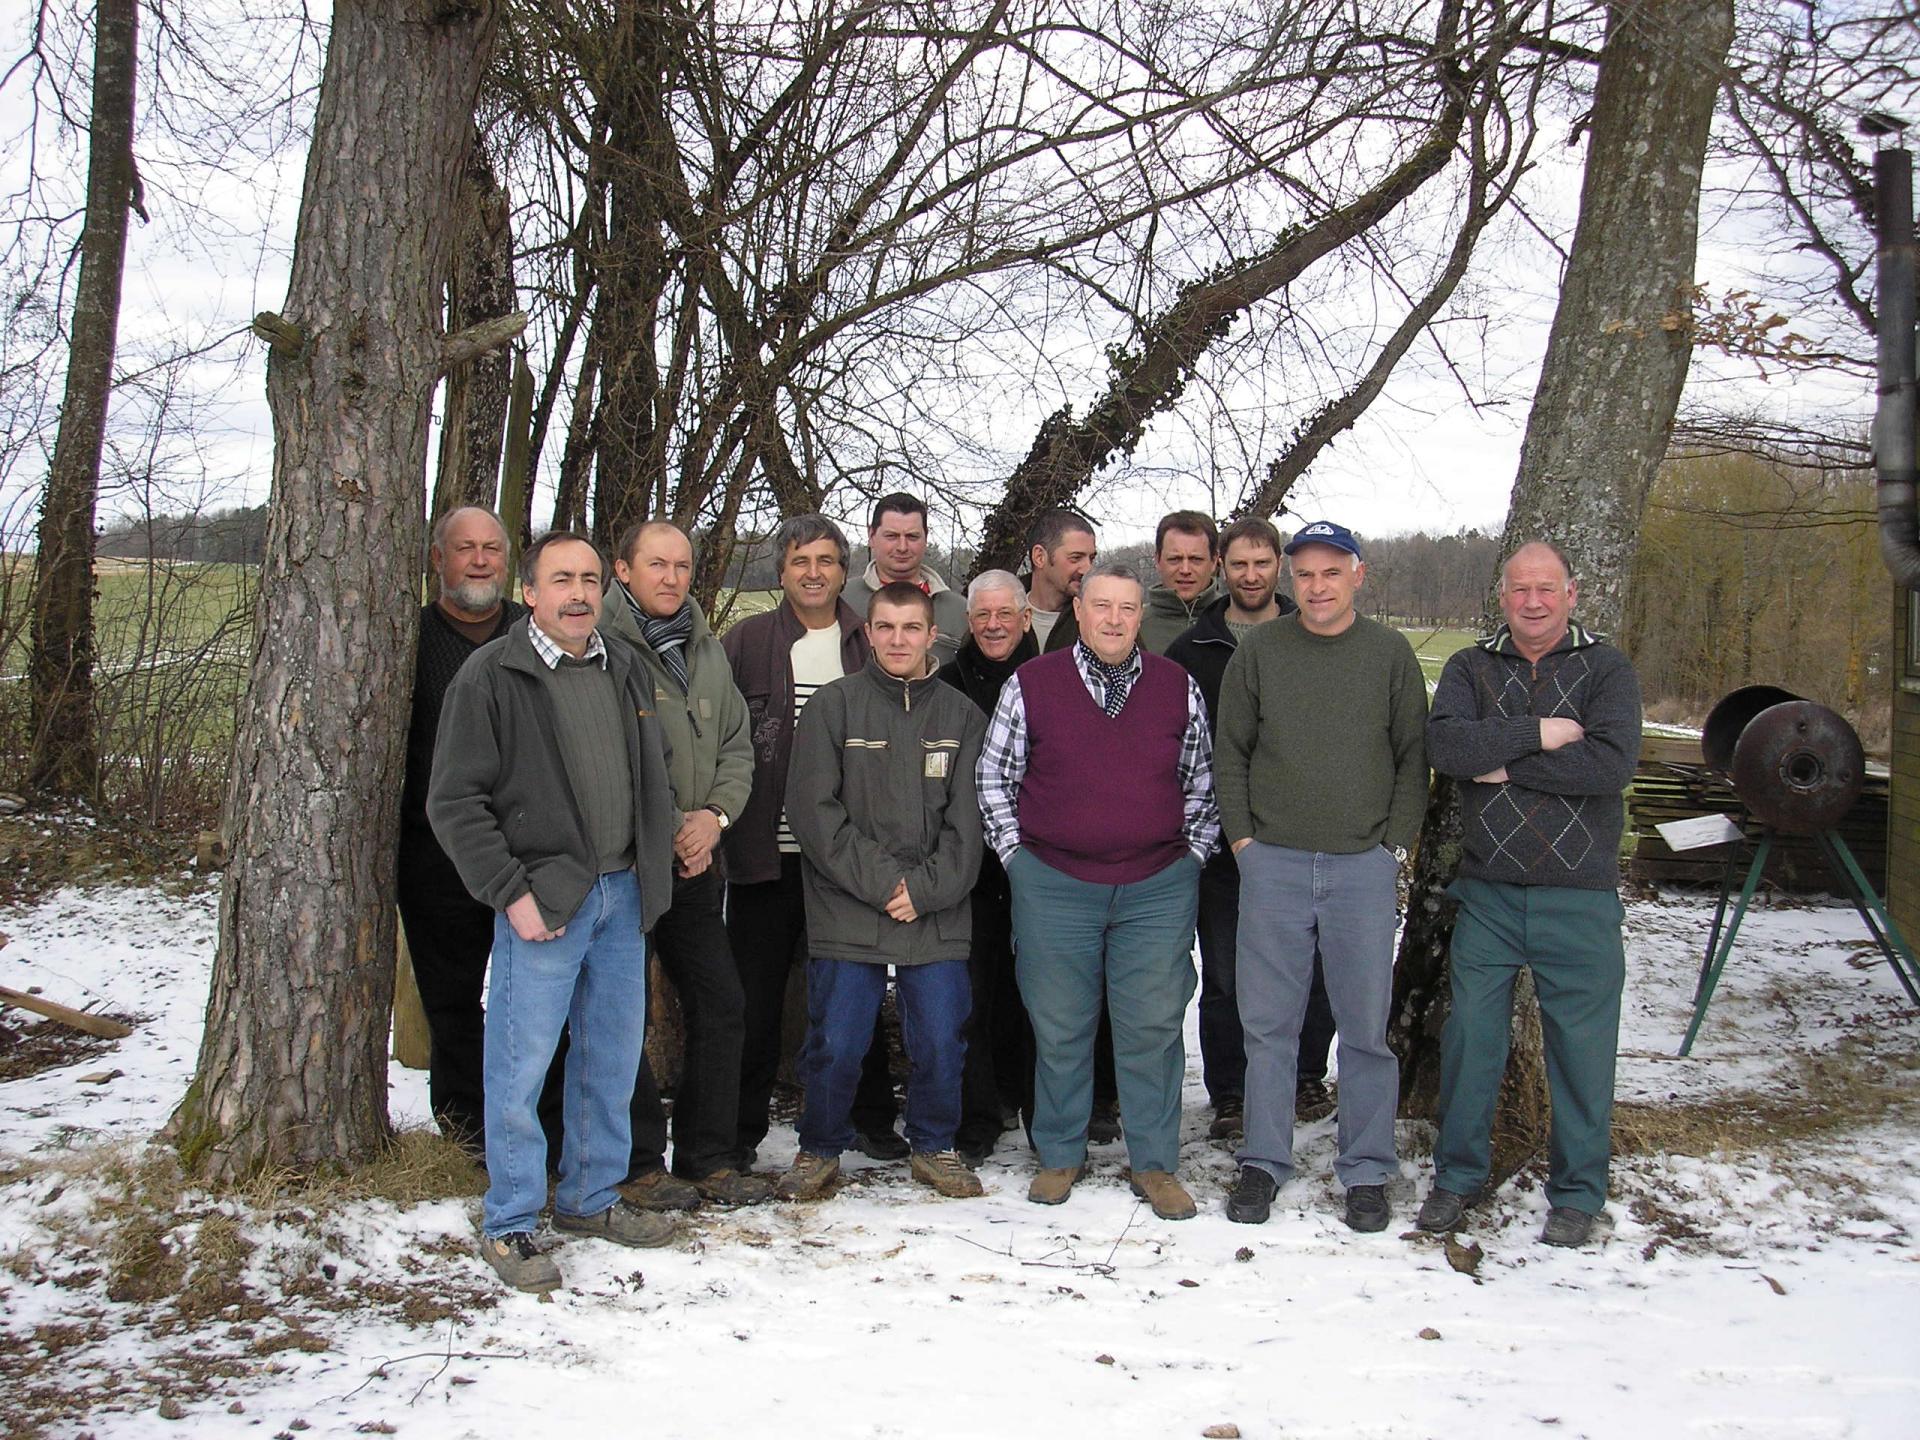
(1571, 940)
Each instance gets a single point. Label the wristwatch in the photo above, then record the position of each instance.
(720, 815)
(1399, 853)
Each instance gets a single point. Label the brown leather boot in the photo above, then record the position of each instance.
(1167, 1196)
(1051, 1187)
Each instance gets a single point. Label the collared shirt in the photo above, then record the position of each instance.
(551, 654)
(1003, 763)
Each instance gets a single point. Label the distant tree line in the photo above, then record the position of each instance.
(236, 536)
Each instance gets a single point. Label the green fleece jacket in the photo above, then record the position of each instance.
(709, 743)
(881, 789)
(1320, 740)
(1168, 617)
(502, 803)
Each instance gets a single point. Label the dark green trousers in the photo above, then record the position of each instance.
(1571, 939)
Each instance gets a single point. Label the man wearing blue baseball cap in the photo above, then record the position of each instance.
(1321, 772)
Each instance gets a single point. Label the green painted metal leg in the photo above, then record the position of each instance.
(1717, 961)
(1899, 954)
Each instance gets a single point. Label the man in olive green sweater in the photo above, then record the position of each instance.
(1321, 772)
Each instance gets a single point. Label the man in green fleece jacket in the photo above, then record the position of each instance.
(1321, 774)
(881, 797)
(1540, 723)
(1186, 552)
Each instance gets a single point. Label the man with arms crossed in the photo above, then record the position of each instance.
(550, 794)
(1322, 778)
(1540, 723)
(881, 796)
(780, 659)
(1095, 787)
(1252, 550)
(710, 765)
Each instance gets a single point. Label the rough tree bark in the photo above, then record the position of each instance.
(66, 757)
(1602, 413)
(479, 287)
(293, 1065)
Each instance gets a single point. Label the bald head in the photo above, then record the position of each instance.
(469, 559)
(1537, 595)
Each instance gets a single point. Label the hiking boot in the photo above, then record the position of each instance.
(1312, 1101)
(1251, 1199)
(1442, 1211)
(660, 1190)
(1229, 1119)
(621, 1223)
(1367, 1209)
(1566, 1227)
(1103, 1126)
(519, 1262)
(1167, 1196)
(1051, 1187)
(883, 1145)
(945, 1172)
(730, 1187)
(809, 1177)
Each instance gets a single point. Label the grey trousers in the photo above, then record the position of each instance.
(1289, 900)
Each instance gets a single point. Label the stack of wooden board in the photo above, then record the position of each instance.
(1673, 783)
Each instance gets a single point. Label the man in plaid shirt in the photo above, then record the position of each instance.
(1105, 883)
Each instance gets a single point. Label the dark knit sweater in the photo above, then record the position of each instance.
(1557, 818)
(1102, 800)
(443, 650)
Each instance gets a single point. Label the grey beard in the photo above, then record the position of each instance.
(476, 597)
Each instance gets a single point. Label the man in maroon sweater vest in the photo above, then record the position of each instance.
(1105, 880)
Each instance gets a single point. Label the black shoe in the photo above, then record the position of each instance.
(1367, 1209)
(883, 1145)
(1103, 1126)
(973, 1150)
(1566, 1227)
(1229, 1119)
(1442, 1211)
(1312, 1101)
(1251, 1199)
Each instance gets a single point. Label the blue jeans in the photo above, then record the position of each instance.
(843, 1002)
(593, 980)
(1289, 901)
(1074, 941)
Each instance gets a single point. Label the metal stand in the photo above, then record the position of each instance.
(1846, 870)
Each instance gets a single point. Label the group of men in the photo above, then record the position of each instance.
(1023, 805)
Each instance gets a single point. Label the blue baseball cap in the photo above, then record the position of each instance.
(1325, 532)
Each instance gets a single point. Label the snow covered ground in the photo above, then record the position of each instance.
(1772, 1288)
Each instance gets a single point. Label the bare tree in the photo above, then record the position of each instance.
(292, 1067)
(1616, 361)
(66, 753)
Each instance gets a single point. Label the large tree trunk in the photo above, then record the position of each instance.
(66, 754)
(293, 1065)
(479, 287)
(1616, 361)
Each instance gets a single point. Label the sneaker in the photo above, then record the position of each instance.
(660, 1190)
(519, 1262)
(883, 1145)
(1103, 1126)
(621, 1223)
(1367, 1209)
(1167, 1196)
(809, 1177)
(1312, 1100)
(1566, 1227)
(946, 1173)
(1051, 1187)
(730, 1187)
(1442, 1211)
(1229, 1119)
(1251, 1199)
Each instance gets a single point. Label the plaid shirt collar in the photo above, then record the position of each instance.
(551, 654)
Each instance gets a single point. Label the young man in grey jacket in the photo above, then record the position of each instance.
(881, 797)
(550, 796)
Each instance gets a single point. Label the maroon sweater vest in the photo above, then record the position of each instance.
(1101, 799)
